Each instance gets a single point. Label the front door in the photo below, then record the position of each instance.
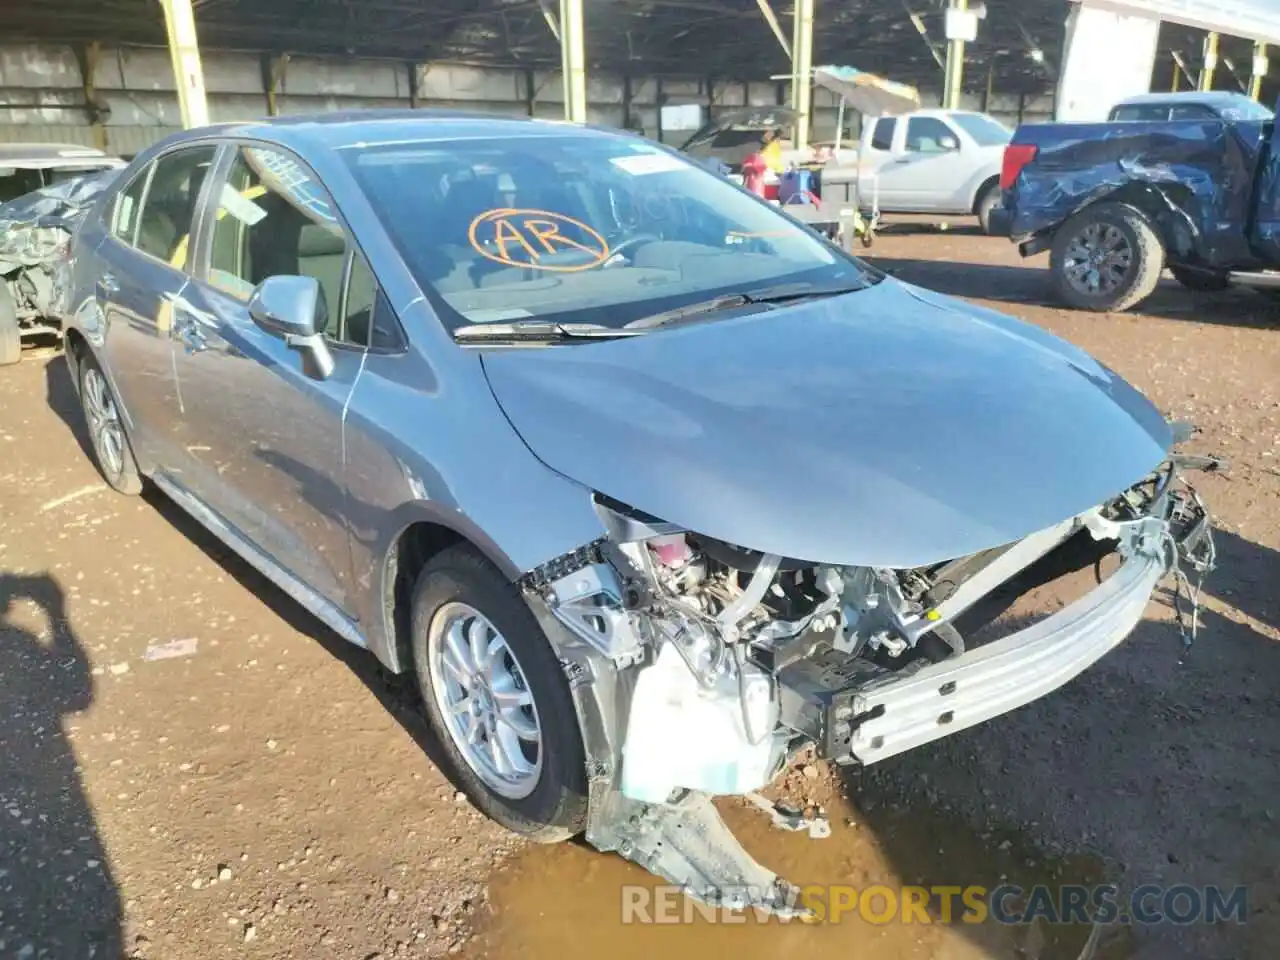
(921, 175)
(270, 458)
(140, 272)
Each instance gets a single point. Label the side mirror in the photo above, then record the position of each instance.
(949, 143)
(292, 308)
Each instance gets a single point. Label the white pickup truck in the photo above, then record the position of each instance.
(932, 161)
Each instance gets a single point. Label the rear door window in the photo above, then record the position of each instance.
(882, 136)
(128, 204)
(168, 207)
(1141, 112)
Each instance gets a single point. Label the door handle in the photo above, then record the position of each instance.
(108, 284)
(188, 331)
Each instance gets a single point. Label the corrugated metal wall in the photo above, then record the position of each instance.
(42, 94)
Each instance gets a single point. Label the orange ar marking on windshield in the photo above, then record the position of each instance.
(548, 234)
(510, 226)
(504, 231)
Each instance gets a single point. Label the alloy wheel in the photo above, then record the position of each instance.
(487, 706)
(105, 429)
(1098, 260)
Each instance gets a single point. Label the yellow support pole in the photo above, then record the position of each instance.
(1210, 62)
(802, 71)
(180, 23)
(573, 61)
(953, 85)
(1260, 66)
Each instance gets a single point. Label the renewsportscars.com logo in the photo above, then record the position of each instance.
(1148, 904)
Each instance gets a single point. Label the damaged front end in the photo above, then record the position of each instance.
(699, 667)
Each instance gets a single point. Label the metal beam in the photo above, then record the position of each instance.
(549, 15)
(954, 84)
(802, 71)
(273, 68)
(188, 74)
(573, 61)
(771, 18)
(87, 58)
(1210, 62)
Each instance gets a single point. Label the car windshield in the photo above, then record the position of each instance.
(580, 227)
(986, 131)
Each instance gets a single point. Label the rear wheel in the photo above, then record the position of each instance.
(1108, 257)
(1207, 280)
(10, 332)
(497, 698)
(106, 429)
(987, 201)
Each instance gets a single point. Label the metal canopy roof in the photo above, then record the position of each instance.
(725, 39)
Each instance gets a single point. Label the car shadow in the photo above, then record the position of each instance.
(58, 897)
(1255, 577)
(396, 694)
(1029, 286)
(1155, 765)
(63, 399)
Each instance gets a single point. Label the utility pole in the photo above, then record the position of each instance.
(573, 61)
(1261, 63)
(802, 71)
(1210, 62)
(960, 26)
(180, 23)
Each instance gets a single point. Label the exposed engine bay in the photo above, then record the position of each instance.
(723, 661)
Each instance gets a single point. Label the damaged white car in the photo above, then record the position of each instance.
(645, 484)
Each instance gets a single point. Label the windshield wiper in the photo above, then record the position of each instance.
(539, 331)
(689, 310)
(782, 292)
(779, 293)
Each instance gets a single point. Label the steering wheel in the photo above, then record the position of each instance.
(623, 249)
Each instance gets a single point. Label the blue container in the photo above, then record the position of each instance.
(796, 186)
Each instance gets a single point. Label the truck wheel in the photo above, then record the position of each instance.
(988, 200)
(1108, 257)
(1206, 280)
(10, 332)
(497, 699)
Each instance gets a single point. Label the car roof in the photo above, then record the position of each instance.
(1210, 98)
(344, 128)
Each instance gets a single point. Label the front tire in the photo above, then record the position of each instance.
(1106, 258)
(497, 698)
(111, 447)
(10, 331)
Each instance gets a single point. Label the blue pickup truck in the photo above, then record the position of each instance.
(1185, 181)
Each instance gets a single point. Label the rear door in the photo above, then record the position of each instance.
(139, 274)
(874, 156)
(270, 459)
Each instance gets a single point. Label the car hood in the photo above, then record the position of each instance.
(890, 427)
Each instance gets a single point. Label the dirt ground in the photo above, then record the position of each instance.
(191, 768)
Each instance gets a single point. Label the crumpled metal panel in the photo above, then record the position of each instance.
(1203, 170)
(34, 226)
